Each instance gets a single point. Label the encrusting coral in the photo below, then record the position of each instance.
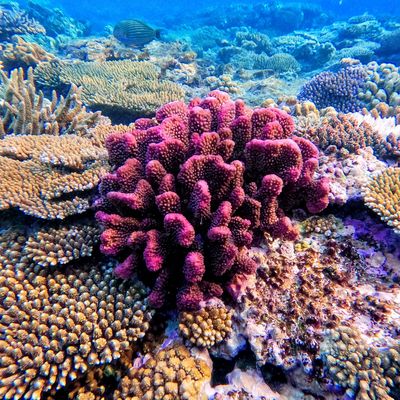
(25, 112)
(130, 87)
(55, 326)
(184, 201)
(206, 327)
(170, 373)
(382, 194)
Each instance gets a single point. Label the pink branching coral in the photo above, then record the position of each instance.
(187, 196)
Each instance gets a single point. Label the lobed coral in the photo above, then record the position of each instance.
(382, 194)
(363, 371)
(170, 373)
(23, 111)
(131, 88)
(206, 327)
(56, 325)
(184, 201)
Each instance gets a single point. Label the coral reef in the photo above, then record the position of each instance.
(15, 21)
(25, 112)
(350, 133)
(170, 373)
(362, 370)
(206, 327)
(20, 53)
(382, 194)
(280, 63)
(129, 88)
(339, 90)
(184, 201)
(56, 325)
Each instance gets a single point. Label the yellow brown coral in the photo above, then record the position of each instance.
(45, 192)
(19, 52)
(206, 327)
(382, 195)
(362, 369)
(56, 325)
(131, 87)
(171, 373)
(23, 111)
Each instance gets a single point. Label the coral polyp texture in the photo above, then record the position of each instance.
(206, 327)
(171, 373)
(55, 326)
(382, 194)
(191, 190)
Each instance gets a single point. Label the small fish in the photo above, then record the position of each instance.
(133, 32)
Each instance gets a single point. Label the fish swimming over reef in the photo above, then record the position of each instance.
(133, 32)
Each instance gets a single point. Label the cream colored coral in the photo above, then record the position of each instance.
(206, 327)
(382, 195)
(132, 87)
(25, 112)
(172, 373)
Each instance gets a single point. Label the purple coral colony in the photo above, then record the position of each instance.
(209, 211)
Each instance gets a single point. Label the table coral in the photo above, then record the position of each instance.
(185, 200)
(56, 325)
(382, 194)
(130, 87)
(171, 373)
(206, 327)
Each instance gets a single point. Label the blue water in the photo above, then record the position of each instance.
(171, 13)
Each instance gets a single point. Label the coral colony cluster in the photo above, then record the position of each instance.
(214, 215)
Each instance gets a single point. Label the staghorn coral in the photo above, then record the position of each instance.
(364, 371)
(170, 373)
(351, 132)
(131, 88)
(56, 325)
(184, 201)
(207, 327)
(23, 111)
(20, 53)
(382, 194)
(14, 21)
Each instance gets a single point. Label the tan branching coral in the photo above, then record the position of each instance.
(55, 325)
(346, 132)
(20, 53)
(171, 373)
(206, 327)
(50, 193)
(60, 245)
(364, 371)
(131, 87)
(23, 111)
(382, 195)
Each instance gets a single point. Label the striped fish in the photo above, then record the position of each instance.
(133, 32)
